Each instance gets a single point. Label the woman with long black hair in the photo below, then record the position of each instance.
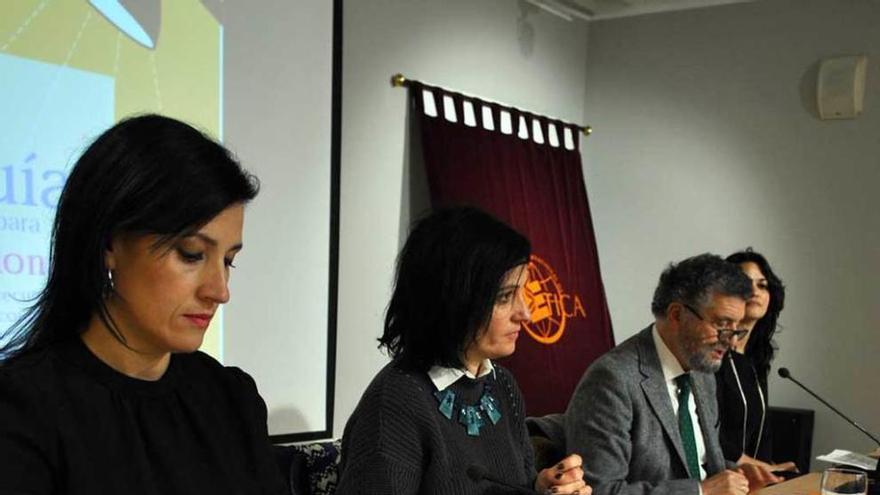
(742, 380)
(102, 389)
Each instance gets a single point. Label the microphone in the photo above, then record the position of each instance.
(784, 373)
(479, 473)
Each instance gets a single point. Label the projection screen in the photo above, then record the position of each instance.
(258, 76)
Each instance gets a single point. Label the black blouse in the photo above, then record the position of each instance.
(742, 409)
(71, 424)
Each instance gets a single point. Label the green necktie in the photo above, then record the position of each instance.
(685, 426)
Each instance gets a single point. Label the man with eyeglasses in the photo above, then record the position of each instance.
(644, 417)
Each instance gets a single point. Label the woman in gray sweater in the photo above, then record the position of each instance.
(441, 418)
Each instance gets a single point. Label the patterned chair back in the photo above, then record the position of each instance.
(310, 468)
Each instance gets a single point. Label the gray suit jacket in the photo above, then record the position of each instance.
(620, 420)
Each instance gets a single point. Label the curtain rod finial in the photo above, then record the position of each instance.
(587, 130)
(397, 80)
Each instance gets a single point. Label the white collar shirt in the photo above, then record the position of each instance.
(671, 370)
(442, 377)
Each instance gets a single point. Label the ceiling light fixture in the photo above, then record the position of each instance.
(565, 9)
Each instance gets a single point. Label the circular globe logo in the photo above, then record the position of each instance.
(548, 303)
(541, 291)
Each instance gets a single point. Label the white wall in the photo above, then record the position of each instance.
(485, 48)
(703, 143)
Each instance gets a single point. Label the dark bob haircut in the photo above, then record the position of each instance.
(760, 346)
(145, 175)
(448, 275)
(694, 281)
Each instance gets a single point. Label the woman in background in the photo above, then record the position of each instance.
(441, 418)
(742, 379)
(102, 389)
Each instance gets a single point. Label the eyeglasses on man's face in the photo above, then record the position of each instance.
(724, 334)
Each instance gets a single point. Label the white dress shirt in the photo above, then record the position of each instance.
(671, 370)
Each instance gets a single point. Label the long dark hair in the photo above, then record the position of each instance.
(145, 175)
(761, 347)
(448, 275)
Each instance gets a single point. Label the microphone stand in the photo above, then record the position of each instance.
(874, 475)
(784, 373)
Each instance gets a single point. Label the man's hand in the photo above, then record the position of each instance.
(726, 483)
(566, 476)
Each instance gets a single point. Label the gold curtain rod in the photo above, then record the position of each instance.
(399, 81)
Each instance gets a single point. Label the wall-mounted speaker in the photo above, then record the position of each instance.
(841, 87)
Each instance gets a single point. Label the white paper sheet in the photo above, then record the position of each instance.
(838, 456)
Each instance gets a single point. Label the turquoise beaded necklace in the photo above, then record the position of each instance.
(471, 416)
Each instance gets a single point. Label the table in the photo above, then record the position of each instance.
(807, 484)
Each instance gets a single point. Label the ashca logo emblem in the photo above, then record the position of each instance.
(548, 303)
